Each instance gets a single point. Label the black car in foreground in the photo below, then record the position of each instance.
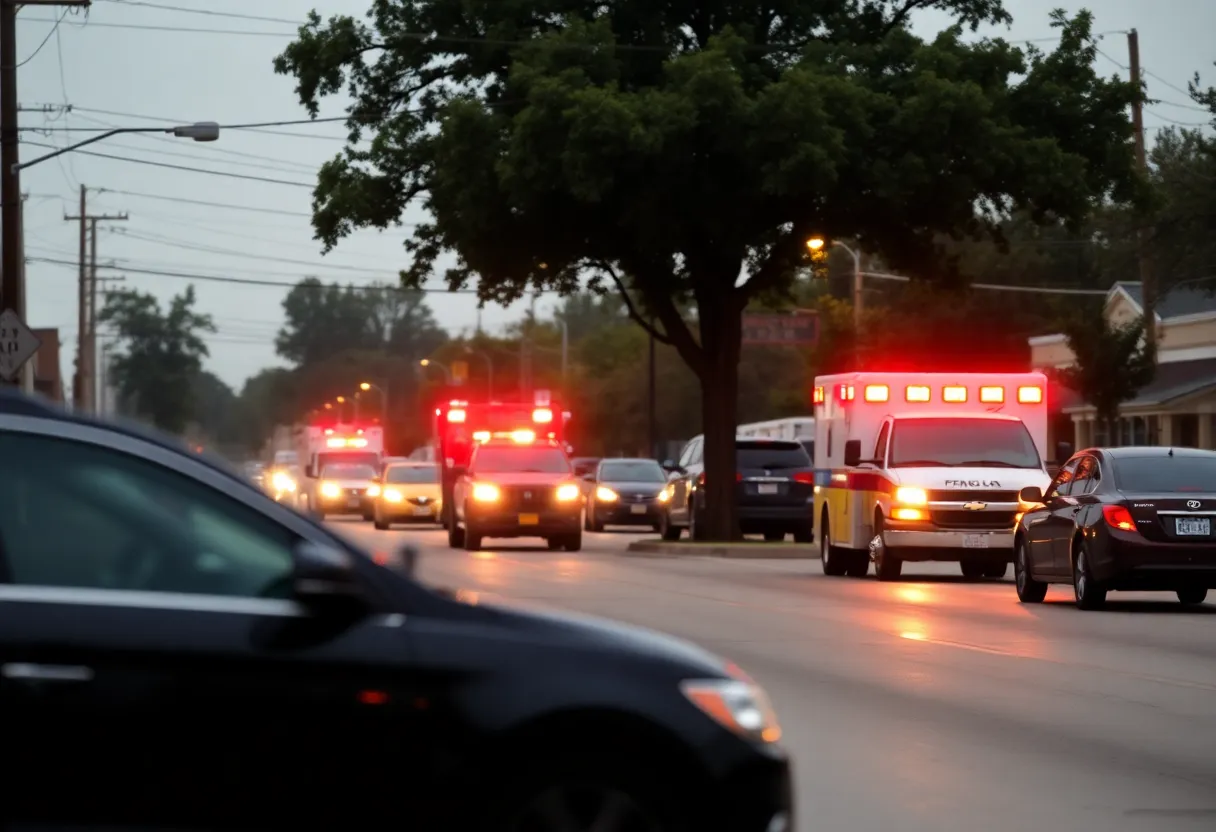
(180, 651)
(624, 492)
(1121, 519)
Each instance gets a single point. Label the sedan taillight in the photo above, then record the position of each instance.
(1118, 517)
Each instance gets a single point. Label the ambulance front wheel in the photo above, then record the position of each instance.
(888, 566)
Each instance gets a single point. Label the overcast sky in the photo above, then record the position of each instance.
(131, 63)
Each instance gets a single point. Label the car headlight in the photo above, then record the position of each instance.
(282, 482)
(910, 496)
(392, 495)
(606, 495)
(738, 705)
(568, 492)
(373, 490)
(665, 494)
(484, 492)
(329, 489)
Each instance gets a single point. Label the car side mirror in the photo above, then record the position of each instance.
(852, 453)
(325, 578)
(670, 465)
(1031, 494)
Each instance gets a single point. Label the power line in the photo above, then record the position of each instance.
(186, 168)
(161, 240)
(207, 12)
(185, 201)
(252, 127)
(45, 40)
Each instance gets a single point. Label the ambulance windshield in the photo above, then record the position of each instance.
(962, 443)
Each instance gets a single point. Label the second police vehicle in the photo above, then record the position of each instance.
(913, 467)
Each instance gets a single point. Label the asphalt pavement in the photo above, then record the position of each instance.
(934, 704)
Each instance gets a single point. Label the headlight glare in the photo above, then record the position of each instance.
(484, 492)
(568, 492)
(606, 495)
(329, 489)
(910, 496)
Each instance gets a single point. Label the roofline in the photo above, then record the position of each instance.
(965, 414)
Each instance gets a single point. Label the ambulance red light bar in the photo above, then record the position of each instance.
(346, 442)
(954, 394)
(877, 393)
(917, 393)
(1030, 395)
(992, 395)
(542, 415)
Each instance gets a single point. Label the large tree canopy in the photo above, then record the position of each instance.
(686, 150)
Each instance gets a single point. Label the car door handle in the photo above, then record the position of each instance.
(47, 672)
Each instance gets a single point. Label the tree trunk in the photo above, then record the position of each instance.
(721, 337)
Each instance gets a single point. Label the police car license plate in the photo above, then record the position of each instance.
(975, 541)
(1193, 526)
(638, 509)
(766, 488)
(353, 502)
(529, 519)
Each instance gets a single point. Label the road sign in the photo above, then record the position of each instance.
(781, 329)
(17, 344)
(460, 371)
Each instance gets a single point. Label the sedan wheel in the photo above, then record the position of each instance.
(1030, 591)
(1090, 594)
(1191, 597)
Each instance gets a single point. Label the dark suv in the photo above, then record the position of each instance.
(774, 493)
(513, 489)
(183, 652)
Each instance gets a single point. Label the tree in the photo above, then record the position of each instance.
(159, 357)
(324, 320)
(1112, 363)
(671, 148)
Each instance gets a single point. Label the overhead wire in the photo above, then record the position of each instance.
(45, 40)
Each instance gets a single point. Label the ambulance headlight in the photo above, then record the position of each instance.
(910, 496)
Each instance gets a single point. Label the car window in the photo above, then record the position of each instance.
(404, 474)
(1166, 474)
(79, 515)
(341, 471)
(1086, 478)
(632, 471)
(880, 447)
(1063, 481)
(772, 454)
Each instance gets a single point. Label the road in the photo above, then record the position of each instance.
(932, 704)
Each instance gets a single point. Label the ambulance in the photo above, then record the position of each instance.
(914, 467)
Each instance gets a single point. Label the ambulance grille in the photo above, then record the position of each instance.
(963, 519)
(967, 496)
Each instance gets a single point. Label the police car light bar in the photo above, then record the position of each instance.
(542, 415)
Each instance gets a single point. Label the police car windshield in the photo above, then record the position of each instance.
(632, 471)
(522, 459)
(412, 474)
(959, 443)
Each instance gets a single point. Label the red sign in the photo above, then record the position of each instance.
(799, 328)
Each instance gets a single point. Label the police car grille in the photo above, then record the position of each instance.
(963, 519)
(528, 497)
(965, 496)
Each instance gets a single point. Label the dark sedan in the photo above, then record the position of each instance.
(624, 492)
(1134, 519)
(183, 652)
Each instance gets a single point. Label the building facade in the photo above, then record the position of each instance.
(1179, 406)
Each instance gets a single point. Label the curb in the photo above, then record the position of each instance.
(741, 551)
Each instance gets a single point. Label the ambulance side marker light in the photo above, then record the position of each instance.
(877, 393)
(1030, 395)
(954, 395)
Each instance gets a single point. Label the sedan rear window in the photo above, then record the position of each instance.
(1165, 474)
(770, 454)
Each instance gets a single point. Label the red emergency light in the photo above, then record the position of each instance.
(817, 397)
(1030, 395)
(542, 415)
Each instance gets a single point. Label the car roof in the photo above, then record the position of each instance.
(14, 402)
(1151, 452)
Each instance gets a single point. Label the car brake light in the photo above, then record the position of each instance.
(954, 395)
(1030, 395)
(1119, 517)
(992, 395)
(877, 393)
(456, 415)
(805, 477)
(701, 478)
(543, 415)
(917, 393)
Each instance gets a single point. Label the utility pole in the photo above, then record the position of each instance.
(86, 341)
(652, 428)
(1148, 285)
(12, 256)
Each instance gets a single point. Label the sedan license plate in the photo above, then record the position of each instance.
(422, 511)
(1193, 526)
(766, 488)
(975, 541)
(529, 519)
(353, 502)
(638, 509)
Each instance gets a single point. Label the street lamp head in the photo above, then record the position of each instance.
(815, 243)
(201, 131)
(364, 386)
(329, 406)
(341, 399)
(426, 362)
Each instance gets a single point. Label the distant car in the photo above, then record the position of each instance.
(624, 492)
(517, 489)
(282, 482)
(774, 495)
(205, 658)
(1135, 519)
(344, 489)
(407, 492)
